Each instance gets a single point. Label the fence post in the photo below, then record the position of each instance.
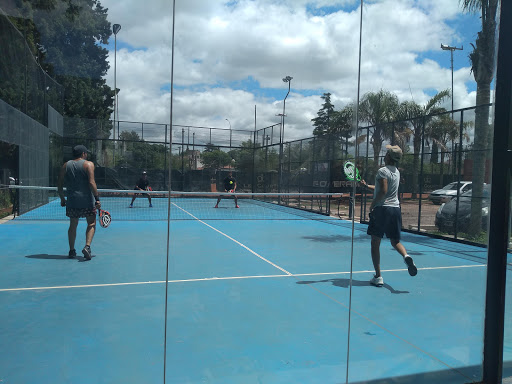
(461, 127)
(499, 206)
(363, 210)
(253, 162)
(421, 170)
(165, 154)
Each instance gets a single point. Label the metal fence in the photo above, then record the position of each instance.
(23, 83)
(438, 151)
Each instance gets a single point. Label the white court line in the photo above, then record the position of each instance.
(239, 243)
(224, 278)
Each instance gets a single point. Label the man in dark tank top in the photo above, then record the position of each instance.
(142, 185)
(82, 197)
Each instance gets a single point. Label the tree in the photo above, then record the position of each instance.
(343, 124)
(482, 65)
(243, 156)
(66, 37)
(215, 159)
(415, 116)
(331, 127)
(322, 121)
(443, 129)
(378, 109)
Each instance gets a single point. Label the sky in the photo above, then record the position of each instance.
(230, 58)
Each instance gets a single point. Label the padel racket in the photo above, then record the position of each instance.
(351, 172)
(104, 218)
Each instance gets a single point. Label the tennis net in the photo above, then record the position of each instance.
(43, 203)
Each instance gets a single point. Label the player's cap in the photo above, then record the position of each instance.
(79, 149)
(144, 173)
(394, 152)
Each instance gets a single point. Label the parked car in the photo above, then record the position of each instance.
(448, 192)
(446, 215)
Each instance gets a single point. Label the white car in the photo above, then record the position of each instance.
(449, 191)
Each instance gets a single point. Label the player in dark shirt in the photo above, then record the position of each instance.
(143, 185)
(82, 197)
(229, 186)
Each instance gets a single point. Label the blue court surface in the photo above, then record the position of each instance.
(248, 301)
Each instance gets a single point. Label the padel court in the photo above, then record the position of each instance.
(254, 295)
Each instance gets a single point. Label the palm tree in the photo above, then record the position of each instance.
(417, 115)
(482, 66)
(378, 109)
(443, 129)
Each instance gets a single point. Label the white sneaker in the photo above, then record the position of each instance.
(377, 281)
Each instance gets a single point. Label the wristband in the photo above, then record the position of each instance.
(97, 198)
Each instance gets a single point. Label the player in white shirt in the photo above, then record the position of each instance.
(385, 213)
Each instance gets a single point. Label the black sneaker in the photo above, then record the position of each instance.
(87, 252)
(72, 254)
(410, 266)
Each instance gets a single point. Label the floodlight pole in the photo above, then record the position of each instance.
(451, 49)
(194, 150)
(229, 132)
(115, 29)
(287, 79)
(182, 158)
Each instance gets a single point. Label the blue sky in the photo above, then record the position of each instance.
(231, 57)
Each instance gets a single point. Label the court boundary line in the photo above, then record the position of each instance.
(234, 240)
(224, 278)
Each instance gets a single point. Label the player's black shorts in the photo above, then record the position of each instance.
(385, 220)
(75, 213)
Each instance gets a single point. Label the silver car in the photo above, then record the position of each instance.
(449, 191)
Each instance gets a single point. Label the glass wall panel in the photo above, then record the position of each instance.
(507, 342)
(414, 317)
(81, 301)
(232, 244)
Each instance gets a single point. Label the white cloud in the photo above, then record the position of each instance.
(218, 45)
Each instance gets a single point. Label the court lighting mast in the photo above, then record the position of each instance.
(445, 47)
(115, 29)
(287, 79)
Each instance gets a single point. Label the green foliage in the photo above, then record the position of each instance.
(215, 159)
(482, 65)
(129, 136)
(322, 121)
(343, 122)
(5, 203)
(66, 37)
(243, 156)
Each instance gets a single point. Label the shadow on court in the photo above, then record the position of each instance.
(345, 283)
(332, 238)
(44, 256)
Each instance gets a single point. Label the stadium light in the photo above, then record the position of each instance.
(287, 79)
(445, 47)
